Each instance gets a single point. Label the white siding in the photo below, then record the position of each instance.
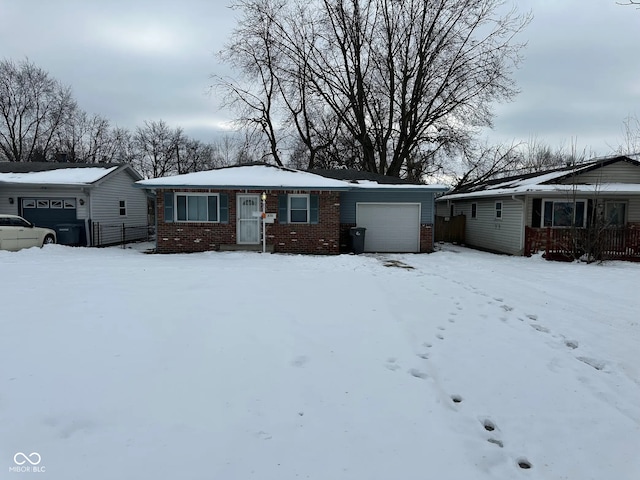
(105, 198)
(633, 215)
(619, 172)
(486, 232)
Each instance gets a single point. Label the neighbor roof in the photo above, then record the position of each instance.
(546, 181)
(53, 173)
(355, 175)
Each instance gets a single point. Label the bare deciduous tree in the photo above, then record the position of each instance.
(630, 136)
(402, 79)
(156, 144)
(33, 107)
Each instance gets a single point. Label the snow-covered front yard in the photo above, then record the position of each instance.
(119, 365)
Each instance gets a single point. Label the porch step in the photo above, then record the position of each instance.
(244, 248)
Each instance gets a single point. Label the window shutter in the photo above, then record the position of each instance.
(283, 209)
(168, 207)
(536, 213)
(224, 208)
(313, 208)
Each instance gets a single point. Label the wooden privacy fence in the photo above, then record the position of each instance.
(568, 244)
(450, 229)
(103, 234)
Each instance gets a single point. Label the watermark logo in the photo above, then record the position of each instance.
(27, 463)
(33, 458)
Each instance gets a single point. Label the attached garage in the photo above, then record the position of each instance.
(391, 227)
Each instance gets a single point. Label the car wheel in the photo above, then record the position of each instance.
(48, 240)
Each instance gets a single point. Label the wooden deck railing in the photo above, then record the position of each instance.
(569, 244)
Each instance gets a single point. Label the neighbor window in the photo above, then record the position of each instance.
(564, 213)
(197, 208)
(615, 213)
(123, 208)
(474, 210)
(298, 208)
(498, 210)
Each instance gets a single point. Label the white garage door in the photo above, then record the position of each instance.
(391, 227)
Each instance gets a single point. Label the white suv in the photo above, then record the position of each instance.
(17, 233)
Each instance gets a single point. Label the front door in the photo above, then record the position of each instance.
(248, 219)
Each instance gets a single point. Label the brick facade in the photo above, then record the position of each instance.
(320, 238)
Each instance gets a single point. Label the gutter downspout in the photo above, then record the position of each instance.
(89, 219)
(522, 223)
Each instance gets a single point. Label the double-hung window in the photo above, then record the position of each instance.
(195, 207)
(474, 210)
(498, 210)
(122, 204)
(563, 213)
(298, 208)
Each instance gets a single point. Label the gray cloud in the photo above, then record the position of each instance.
(146, 60)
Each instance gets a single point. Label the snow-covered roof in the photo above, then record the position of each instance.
(248, 176)
(271, 177)
(62, 176)
(613, 188)
(396, 186)
(544, 182)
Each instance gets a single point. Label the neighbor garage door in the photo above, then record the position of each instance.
(48, 212)
(391, 227)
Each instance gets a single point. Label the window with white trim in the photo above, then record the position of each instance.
(122, 204)
(197, 207)
(298, 208)
(563, 213)
(474, 210)
(615, 214)
(498, 210)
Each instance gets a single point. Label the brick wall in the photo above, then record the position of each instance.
(321, 238)
(426, 238)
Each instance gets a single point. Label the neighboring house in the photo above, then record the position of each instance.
(521, 214)
(87, 204)
(220, 210)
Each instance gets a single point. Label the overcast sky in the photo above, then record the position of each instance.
(131, 61)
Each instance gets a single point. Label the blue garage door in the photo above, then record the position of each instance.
(48, 212)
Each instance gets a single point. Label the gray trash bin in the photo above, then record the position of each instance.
(68, 233)
(357, 239)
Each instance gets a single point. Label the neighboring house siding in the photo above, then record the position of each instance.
(619, 172)
(633, 215)
(348, 202)
(18, 193)
(486, 232)
(5, 206)
(105, 209)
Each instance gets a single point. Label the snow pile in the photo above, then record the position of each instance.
(455, 365)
